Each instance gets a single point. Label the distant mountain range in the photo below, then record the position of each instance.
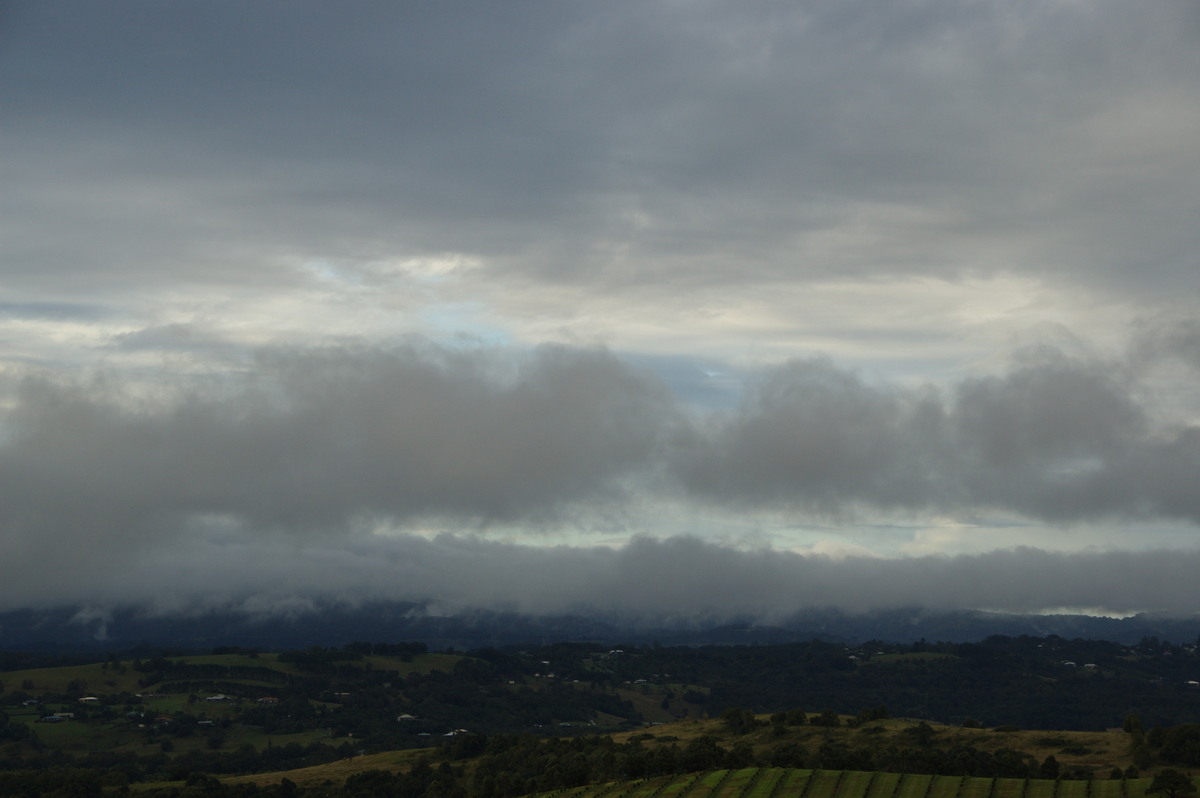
(65, 629)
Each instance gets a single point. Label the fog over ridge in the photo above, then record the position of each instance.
(648, 581)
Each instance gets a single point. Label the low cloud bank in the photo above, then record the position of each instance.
(677, 580)
(319, 449)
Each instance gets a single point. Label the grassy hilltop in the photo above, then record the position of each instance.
(1086, 758)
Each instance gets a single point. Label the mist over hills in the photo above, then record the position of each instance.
(87, 628)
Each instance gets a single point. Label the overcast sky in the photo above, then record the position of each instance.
(648, 306)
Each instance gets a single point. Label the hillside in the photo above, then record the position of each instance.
(497, 724)
(917, 744)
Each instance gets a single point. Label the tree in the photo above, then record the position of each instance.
(1050, 768)
(1172, 782)
(922, 734)
(702, 753)
(739, 721)
(827, 718)
(788, 755)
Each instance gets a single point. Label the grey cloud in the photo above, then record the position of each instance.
(280, 473)
(168, 165)
(1056, 438)
(52, 310)
(625, 143)
(327, 439)
(813, 434)
(1177, 340)
(319, 440)
(676, 579)
(175, 338)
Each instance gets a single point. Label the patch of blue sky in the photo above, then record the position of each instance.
(703, 384)
(462, 324)
(861, 539)
(328, 272)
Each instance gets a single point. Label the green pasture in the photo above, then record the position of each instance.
(1072, 789)
(788, 783)
(1009, 788)
(945, 786)
(240, 661)
(79, 736)
(976, 788)
(855, 782)
(421, 663)
(98, 679)
(766, 784)
(709, 781)
(884, 785)
(823, 782)
(107, 678)
(739, 782)
(679, 787)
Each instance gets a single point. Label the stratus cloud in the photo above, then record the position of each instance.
(677, 579)
(617, 144)
(1055, 438)
(320, 439)
(297, 463)
(323, 439)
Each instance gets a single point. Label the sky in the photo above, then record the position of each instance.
(648, 307)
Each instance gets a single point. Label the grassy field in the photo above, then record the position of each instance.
(106, 679)
(99, 679)
(1092, 750)
(335, 772)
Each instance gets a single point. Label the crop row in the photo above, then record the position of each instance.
(795, 783)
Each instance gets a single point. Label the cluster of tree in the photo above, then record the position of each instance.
(1030, 682)
(1036, 683)
(16, 732)
(1177, 745)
